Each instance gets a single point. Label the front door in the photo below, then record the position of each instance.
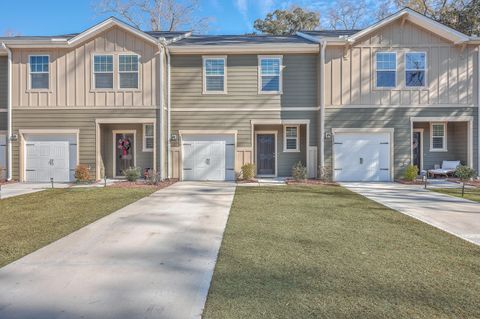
(416, 148)
(124, 152)
(266, 154)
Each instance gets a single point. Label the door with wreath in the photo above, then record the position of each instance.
(124, 152)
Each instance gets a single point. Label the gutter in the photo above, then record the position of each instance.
(478, 112)
(161, 49)
(323, 45)
(169, 143)
(9, 113)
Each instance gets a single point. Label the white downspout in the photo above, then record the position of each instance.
(160, 116)
(169, 134)
(9, 113)
(478, 112)
(323, 45)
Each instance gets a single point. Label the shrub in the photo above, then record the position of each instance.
(411, 173)
(248, 171)
(132, 174)
(464, 173)
(325, 173)
(299, 172)
(152, 178)
(82, 173)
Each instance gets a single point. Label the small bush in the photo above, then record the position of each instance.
(464, 173)
(411, 173)
(152, 178)
(82, 173)
(132, 174)
(299, 172)
(248, 171)
(325, 173)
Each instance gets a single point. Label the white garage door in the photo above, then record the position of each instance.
(50, 156)
(362, 157)
(3, 156)
(208, 157)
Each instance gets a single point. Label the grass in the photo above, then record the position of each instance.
(325, 252)
(470, 193)
(31, 221)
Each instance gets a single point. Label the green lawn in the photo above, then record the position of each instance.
(325, 252)
(31, 221)
(470, 193)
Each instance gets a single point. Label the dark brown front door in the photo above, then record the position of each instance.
(416, 147)
(266, 154)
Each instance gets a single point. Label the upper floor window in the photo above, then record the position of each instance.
(438, 137)
(39, 74)
(128, 71)
(103, 71)
(148, 137)
(214, 75)
(290, 138)
(270, 74)
(415, 69)
(386, 63)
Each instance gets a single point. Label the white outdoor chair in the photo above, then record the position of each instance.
(448, 167)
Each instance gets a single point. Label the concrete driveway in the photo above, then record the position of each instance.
(151, 259)
(454, 215)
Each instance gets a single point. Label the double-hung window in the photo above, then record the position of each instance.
(103, 71)
(148, 137)
(39, 72)
(386, 63)
(128, 71)
(270, 74)
(415, 69)
(214, 75)
(290, 138)
(438, 137)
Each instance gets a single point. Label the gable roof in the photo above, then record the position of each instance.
(69, 40)
(351, 36)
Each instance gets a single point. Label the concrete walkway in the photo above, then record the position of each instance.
(151, 259)
(17, 189)
(454, 215)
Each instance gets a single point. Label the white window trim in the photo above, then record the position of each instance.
(444, 149)
(259, 74)
(144, 139)
(92, 81)
(376, 70)
(425, 70)
(214, 57)
(119, 72)
(297, 149)
(30, 74)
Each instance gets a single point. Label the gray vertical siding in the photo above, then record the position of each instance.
(399, 119)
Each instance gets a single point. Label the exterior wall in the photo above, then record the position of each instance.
(299, 84)
(71, 74)
(450, 80)
(397, 118)
(457, 145)
(143, 159)
(84, 120)
(3, 121)
(3, 82)
(286, 160)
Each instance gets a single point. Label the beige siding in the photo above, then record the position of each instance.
(450, 78)
(299, 83)
(84, 120)
(3, 82)
(71, 74)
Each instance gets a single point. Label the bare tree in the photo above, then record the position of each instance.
(156, 15)
(347, 14)
(11, 33)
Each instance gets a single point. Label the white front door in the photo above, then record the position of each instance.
(3, 156)
(208, 157)
(47, 160)
(362, 157)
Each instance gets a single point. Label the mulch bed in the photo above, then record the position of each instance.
(416, 182)
(142, 184)
(309, 182)
(246, 181)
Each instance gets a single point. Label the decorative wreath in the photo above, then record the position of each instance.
(124, 144)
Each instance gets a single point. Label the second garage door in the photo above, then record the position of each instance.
(208, 157)
(362, 157)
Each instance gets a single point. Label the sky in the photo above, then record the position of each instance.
(52, 17)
